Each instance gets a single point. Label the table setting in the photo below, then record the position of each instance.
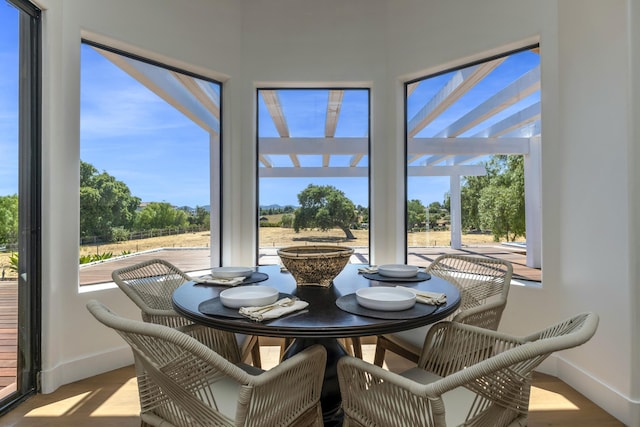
(309, 309)
(231, 276)
(246, 299)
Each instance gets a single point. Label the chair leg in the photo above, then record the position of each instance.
(384, 344)
(357, 347)
(378, 358)
(255, 354)
(286, 342)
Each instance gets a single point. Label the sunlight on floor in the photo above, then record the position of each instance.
(96, 403)
(60, 407)
(119, 403)
(545, 400)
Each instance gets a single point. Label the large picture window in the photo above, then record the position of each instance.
(149, 174)
(313, 169)
(472, 138)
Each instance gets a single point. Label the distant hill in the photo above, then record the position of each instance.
(275, 206)
(192, 209)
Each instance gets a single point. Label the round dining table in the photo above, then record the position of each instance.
(332, 313)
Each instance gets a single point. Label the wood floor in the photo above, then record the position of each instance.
(111, 400)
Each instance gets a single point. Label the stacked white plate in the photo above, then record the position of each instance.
(248, 296)
(385, 298)
(230, 272)
(398, 270)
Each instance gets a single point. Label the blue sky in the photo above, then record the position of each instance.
(8, 100)
(131, 133)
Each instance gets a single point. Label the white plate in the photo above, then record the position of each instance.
(398, 270)
(248, 296)
(229, 272)
(385, 298)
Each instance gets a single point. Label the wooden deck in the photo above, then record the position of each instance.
(198, 259)
(8, 336)
(193, 259)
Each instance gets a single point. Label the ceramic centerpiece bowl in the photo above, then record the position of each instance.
(315, 264)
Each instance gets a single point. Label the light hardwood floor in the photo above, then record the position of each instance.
(111, 399)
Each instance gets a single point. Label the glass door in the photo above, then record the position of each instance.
(19, 201)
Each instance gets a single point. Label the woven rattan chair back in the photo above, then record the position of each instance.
(466, 375)
(483, 284)
(150, 285)
(182, 382)
(484, 287)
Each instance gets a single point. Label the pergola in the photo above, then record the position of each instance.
(500, 124)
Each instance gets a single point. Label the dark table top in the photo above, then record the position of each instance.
(322, 318)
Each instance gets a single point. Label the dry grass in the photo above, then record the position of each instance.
(278, 237)
(269, 237)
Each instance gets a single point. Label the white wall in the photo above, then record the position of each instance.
(589, 190)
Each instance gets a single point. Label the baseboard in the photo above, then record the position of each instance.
(613, 402)
(78, 369)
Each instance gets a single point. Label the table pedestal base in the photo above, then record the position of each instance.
(330, 397)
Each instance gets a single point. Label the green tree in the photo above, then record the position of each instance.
(501, 201)
(416, 214)
(324, 207)
(9, 219)
(201, 218)
(470, 192)
(286, 221)
(160, 215)
(105, 203)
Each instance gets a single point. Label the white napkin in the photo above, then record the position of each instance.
(275, 310)
(210, 280)
(426, 297)
(371, 269)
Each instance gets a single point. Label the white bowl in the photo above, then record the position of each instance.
(398, 270)
(229, 272)
(248, 296)
(385, 298)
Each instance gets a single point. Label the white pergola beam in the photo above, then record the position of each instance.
(480, 146)
(524, 86)
(362, 172)
(272, 101)
(309, 146)
(159, 81)
(333, 112)
(458, 85)
(265, 160)
(197, 91)
(449, 170)
(515, 121)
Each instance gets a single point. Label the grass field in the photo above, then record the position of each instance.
(278, 237)
(269, 237)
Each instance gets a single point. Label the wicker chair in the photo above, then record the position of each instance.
(182, 382)
(150, 285)
(466, 375)
(484, 286)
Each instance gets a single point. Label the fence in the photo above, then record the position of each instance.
(146, 234)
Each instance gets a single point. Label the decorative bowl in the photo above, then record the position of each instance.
(248, 296)
(385, 298)
(315, 264)
(398, 270)
(231, 272)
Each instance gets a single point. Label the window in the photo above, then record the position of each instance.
(313, 145)
(150, 144)
(20, 198)
(472, 135)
